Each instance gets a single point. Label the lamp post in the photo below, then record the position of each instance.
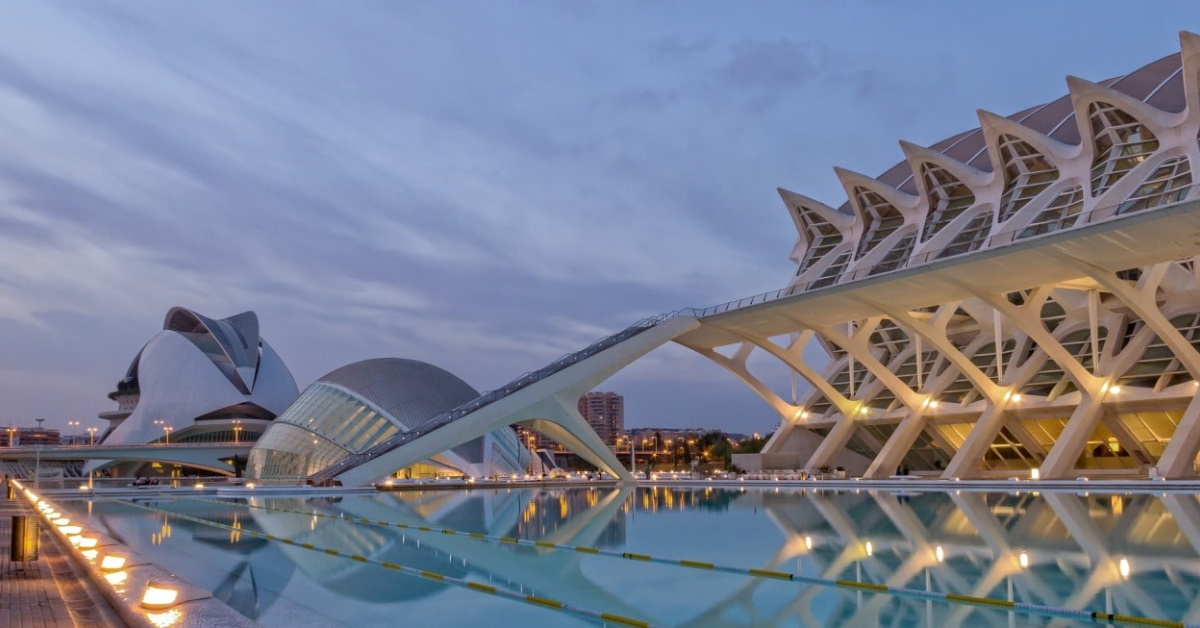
(72, 424)
(11, 430)
(237, 427)
(92, 435)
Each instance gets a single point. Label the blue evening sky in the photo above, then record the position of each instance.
(482, 185)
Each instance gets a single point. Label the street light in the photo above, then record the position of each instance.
(92, 435)
(237, 427)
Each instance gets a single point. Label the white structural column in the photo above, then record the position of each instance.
(967, 458)
(892, 452)
(1060, 461)
(1178, 460)
(1141, 300)
(549, 403)
(792, 356)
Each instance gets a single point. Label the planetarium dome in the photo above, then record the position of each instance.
(360, 405)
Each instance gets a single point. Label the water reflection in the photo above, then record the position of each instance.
(1135, 554)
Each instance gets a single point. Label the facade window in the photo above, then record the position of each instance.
(948, 198)
(880, 219)
(831, 274)
(823, 237)
(1121, 144)
(1061, 213)
(1026, 174)
(970, 238)
(1169, 183)
(898, 256)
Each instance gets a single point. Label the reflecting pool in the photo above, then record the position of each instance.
(1130, 554)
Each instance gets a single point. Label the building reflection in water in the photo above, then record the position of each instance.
(1134, 554)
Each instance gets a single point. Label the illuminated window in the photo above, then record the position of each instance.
(1026, 174)
(1121, 143)
(948, 198)
(1061, 213)
(972, 236)
(823, 237)
(880, 219)
(1168, 183)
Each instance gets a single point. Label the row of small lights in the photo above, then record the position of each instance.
(157, 596)
(931, 403)
(939, 554)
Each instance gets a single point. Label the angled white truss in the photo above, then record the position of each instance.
(1091, 373)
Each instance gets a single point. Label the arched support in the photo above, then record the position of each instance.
(551, 400)
(1141, 300)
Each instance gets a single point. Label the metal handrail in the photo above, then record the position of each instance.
(523, 381)
(1004, 238)
(1097, 215)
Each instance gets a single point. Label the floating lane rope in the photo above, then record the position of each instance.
(420, 573)
(935, 596)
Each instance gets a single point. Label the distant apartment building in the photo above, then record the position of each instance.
(18, 436)
(605, 412)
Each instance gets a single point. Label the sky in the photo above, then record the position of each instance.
(485, 186)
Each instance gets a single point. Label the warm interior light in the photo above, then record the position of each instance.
(112, 562)
(116, 578)
(250, 485)
(808, 542)
(75, 539)
(1016, 397)
(159, 596)
(90, 554)
(1116, 390)
(869, 548)
(88, 542)
(164, 619)
(1124, 567)
(1023, 560)
(1035, 474)
(939, 553)
(70, 530)
(62, 521)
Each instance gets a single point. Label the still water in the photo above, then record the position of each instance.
(1055, 549)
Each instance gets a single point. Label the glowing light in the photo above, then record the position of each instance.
(1116, 390)
(62, 521)
(116, 578)
(250, 485)
(1035, 474)
(112, 562)
(870, 548)
(90, 554)
(199, 485)
(159, 596)
(939, 553)
(75, 539)
(1023, 560)
(808, 542)
(70, 530)
(1123, 566)
(165, 618)
(88, 542)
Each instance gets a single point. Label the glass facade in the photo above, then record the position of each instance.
(326, 425)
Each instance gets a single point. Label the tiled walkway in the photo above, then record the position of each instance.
(50, 592)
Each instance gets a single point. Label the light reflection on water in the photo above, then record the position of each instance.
(1054, 549)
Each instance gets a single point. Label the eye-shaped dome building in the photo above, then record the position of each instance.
(362, 404)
